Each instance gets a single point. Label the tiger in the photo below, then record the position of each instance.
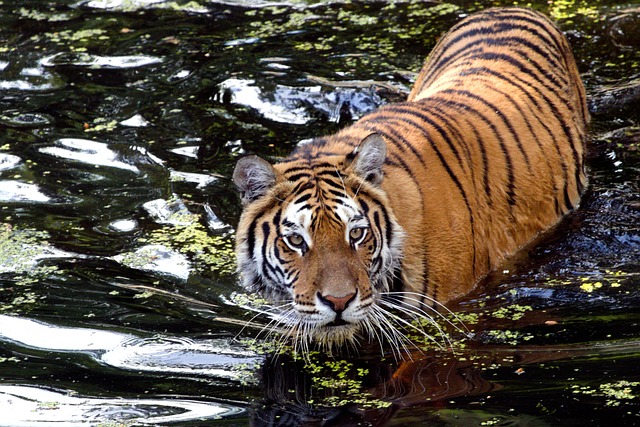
(411, 206)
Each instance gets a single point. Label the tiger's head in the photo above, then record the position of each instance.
(317, 238)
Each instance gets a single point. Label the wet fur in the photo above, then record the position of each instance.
(487, 153)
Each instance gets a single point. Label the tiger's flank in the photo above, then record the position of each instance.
(408, 208)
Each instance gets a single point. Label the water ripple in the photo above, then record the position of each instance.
(98, 62)
(158, 354)
(35, 406)
(15, 191)
(9, 161)
(89, 152)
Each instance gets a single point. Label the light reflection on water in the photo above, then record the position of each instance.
(33, 406)
(162, 355)
(97, 62)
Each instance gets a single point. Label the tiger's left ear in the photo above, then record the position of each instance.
(254, 177)
(369, 157)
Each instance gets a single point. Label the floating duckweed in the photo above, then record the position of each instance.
(41, 16)
(466, 318)
(590, 287)
(251, 301)
(77, 36)
(512, 312)
(212, 253)
(353, 19)
(620, 391)
(569, 9)
(492, 422)
(616, 393)
(266, 347)
(595, 281)
(191, 6)
(417, 9)
(246, 373)
(144, 295)
(101, 124)
(334, 382)
(610, 279)
(138, 259)
(19, 251)
(343, 381)
(509, 337)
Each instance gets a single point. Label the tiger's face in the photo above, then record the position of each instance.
(317, 239)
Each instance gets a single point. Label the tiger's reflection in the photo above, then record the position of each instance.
(368, 392)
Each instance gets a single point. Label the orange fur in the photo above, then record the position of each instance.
(485, 155)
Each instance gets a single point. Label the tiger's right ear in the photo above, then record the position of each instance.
(254, 177)
(369, 158)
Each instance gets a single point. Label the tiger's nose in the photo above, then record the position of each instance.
(337, 304)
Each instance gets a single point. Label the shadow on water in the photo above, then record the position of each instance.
(121, 122)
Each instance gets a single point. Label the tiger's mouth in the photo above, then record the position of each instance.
(337, 323)
(335, 333)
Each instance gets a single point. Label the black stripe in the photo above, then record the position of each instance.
(340, 194)
(469, 54)
(298, 176)
(411, 109)
(266, 267)
(333, 184)
(393, 136)
(514, 134)
(302, 186)
(465, 108)
(540, 122)
(448, 118)
(566, 129)
(549, 38)
(302, 198)
(364, 206)
(296, 169)
(451, 174)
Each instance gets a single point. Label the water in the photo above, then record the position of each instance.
(121, 122)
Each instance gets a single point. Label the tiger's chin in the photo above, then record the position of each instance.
(334, 335)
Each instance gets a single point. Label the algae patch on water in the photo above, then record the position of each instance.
(20, 251)
(210, 252)
(339, 383)
(616, 393)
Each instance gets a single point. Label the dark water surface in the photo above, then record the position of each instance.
(121, 122)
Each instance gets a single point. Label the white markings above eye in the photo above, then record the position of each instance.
(347, 209)
(356, 224)
(297, 220)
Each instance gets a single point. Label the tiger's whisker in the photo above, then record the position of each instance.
(418, 314)
(391, 333)
(410, 325)
(415, 298)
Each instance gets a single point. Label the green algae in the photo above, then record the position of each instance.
(567, 10)
(617, 393)
(19, 251)
(211, 253)
(337, 383)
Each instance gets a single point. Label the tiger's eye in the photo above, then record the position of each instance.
(356, 233)
(295, 240)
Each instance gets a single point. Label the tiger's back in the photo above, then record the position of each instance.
(486, 154)
(507, 81)
(504, 86)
